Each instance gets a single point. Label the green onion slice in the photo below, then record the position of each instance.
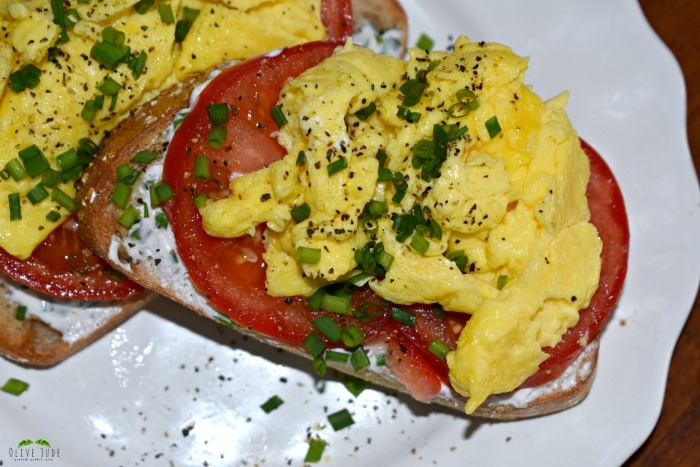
(271, 404)
(14, 386)
(315, 451)
(439, 349)
(328, 328)
(340, 419)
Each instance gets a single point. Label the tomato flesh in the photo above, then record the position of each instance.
(231, 272)
(63, 266)
(336, 15)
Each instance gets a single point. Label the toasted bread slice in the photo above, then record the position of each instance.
(54, 329)
(44, 340)
(149, 262)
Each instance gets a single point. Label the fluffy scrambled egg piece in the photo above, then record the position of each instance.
(60, 112)
(492, 178)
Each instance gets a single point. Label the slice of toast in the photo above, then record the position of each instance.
(47, 336)
(149, 261)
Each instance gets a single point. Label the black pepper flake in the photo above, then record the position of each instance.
(265, 197)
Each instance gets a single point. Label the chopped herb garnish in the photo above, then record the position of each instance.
(359, 359)
(15, 206)
(161, 220)
(493, 127)
(439, 349)
(501, 282)
(278, 116)
(27, 77)
(315, 451)
(328, 328)
(403, 316)
(271, 404)
(21, 312)
(301, 212)
(14, 386)
(314, 344)
(425, 42)
(352, 336)
(365, 112)
(201, 168)
(337, 165)
(340, 419)
(144, 157)
(306, 255)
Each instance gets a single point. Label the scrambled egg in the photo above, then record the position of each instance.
(54, 114)
(497, 200)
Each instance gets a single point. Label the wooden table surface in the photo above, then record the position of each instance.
(676, 439)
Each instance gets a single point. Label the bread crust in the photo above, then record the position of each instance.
(147, 130)
(34, 343)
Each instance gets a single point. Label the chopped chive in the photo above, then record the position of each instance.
(14, 386)
(278, 116)
(90, 109)
(21, 312)
(407, 114)
(314, 345)
(319, 365)
(53, 216)
(439, 349)
(67, 159)
(403, 316)
(460, 259)
(354, 384)
(337, 356)
(160, 193)
(384, 175)
(420, 244)
(328, 328)
(359, 359)
(200, 200)
(62, 198)
(51, 178)
(217, 136)
(501, 282)
(165, 11)
(109, 86)
(136, 65)
(306, 255)
(365, 112)
(108, 54)
(377, 208)
(301, 159)
(37, 193)
(161, 220)
(35, 163)
(337, 166)
(315, 451)
(380, 359)
(352, 336)
(15, 169)
(493, 127)
(218, 113)
(385, 259)
(340, 419)
(425, 42)
(113, 35)
(15, 206)
(129, 217)
(26, 77)
(271, 404)
(314, 301)
(358, 278)
(144, 157)
(142, 6)
(201, 167)
(336, 304)
(121, 194)
(301, 212)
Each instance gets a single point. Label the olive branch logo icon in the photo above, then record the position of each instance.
(29, 442)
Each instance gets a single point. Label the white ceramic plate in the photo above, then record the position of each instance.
(168, 388)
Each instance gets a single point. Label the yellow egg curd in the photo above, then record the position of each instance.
(58, 96)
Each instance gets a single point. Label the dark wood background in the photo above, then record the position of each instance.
(676, 439)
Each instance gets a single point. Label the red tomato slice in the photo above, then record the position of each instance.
(336, 15)
(231, 272)
(609, 215)
(63, 266)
